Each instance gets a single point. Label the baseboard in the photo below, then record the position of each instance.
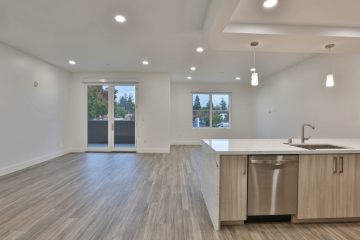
(153, 150)
(29, 163)
(294, 219)
(75, 150)
(138, 150)
(193, 142)
(231, 223)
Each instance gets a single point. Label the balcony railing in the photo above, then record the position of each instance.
(124, 132)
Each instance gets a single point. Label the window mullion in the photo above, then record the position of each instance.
(211, 105)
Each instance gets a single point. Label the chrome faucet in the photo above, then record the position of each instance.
(303, 138)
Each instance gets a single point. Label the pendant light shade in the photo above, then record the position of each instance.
(254, 75)
(254, 79)
(330, 82)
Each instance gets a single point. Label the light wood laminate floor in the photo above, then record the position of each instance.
(128, 196)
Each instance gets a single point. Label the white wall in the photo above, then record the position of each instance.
(242, 112)
(153, 112)
(40, 123)
(298, 95)
(32, 120)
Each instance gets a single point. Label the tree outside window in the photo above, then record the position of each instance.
(98, 102)
(211, 110)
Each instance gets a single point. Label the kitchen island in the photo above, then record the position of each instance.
(328, 179)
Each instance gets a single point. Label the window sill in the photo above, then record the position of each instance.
(208, 128)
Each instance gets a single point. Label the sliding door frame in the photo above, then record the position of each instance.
(111, 119)
(113, 147)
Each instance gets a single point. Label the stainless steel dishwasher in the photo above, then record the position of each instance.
(272, 185)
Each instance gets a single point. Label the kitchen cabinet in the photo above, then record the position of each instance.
(348, 204)
(317, 189)
(233, 188)
(329, 186)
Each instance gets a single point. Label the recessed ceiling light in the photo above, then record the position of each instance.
(120, 18)
(145, 62)
(102, 80)
(193, 68)
(270, 3)
(200, 49)
(253, 69)
(72, 62)
(238, 78)
(189, 77)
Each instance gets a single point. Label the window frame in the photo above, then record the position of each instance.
(211, 109)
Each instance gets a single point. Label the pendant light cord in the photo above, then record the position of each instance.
(330, 65)
(254, 57)
(329, 47)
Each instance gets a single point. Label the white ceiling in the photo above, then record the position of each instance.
(300, 12)
(166, 32)
(297, 26)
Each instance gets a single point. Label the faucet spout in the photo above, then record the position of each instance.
(303, 138)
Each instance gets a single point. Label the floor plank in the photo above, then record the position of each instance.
(128, 196)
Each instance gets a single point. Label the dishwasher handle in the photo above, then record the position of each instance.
(272, 162)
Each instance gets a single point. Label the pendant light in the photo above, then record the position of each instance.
(330, 76)
(254, 74)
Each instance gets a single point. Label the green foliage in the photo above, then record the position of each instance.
(120, 111)
(207, 120)
(125, 107)
(216, 119)
(197, 104)
(223, 104)
(207, 105)
(97, 102)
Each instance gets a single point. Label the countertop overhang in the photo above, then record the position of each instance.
(277, 146)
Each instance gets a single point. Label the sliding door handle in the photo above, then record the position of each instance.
(245, 166)
(341, 164)
(335, 165)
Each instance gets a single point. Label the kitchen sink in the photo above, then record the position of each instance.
(317, 146)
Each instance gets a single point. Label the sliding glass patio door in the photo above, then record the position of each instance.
(124, 118)
(98, 117)
(111, 117)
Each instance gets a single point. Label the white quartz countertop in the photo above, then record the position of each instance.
(277, 146)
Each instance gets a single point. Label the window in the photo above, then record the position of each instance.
(211, 110)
